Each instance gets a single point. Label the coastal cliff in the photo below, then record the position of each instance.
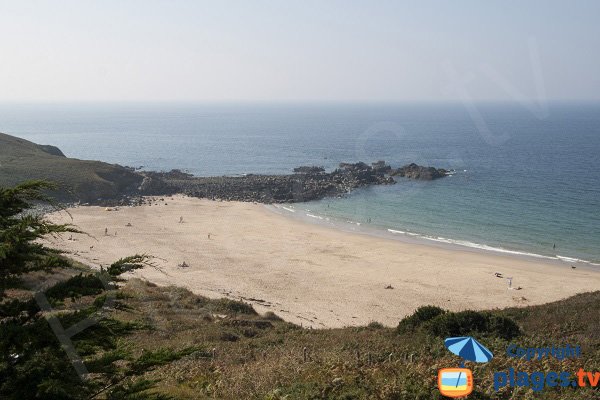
(77, 180)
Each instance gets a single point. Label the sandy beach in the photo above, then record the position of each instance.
(307, 273)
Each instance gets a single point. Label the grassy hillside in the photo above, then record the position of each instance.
(240, 354)
(87, 181)
(249, 356)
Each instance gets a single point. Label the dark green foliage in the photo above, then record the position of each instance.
(75, 287)
(238, 307)
(111, 301)
(476, 323)
(33, 363)
(375, 325)
(151, 359)
(136, 390)
(14, 200)
(446, 324)
(20, 251)
(22, 310)
(127, 264)
(420, 316)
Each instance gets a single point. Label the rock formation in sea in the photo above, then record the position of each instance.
(414, 171)
(307, 183)
(96, 182)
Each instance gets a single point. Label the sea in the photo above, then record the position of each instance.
(525, 180)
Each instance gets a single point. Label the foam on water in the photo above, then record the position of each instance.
(438, 239)
(314, 216)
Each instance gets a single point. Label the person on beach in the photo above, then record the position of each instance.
(181, 220)
(105, 231)
(209, 236)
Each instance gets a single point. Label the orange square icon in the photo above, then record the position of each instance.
(455, 382)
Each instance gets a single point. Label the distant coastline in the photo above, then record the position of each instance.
(100, 183)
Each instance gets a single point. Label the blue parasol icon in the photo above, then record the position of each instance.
(469, 349)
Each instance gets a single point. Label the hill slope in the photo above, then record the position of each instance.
(83, 180)
(244, 355)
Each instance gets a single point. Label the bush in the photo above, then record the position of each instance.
(466, 323)
(375, 325)
(418, 318)
(238, 307)
(504, 327)
(229, 337)
(271, 316)
(77, 286)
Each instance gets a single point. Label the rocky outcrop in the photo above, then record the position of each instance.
(309, 170)
(95, 182)
(414, 171)
(307, 183)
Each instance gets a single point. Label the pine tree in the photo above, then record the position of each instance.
(33, 362)
(20, 250)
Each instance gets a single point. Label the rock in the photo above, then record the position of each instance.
(381, 166)
(414, 171)
(309, 170)
(307, 183)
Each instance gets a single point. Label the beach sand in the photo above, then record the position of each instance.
(306, 273)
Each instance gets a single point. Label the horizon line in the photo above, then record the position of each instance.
(295, 101)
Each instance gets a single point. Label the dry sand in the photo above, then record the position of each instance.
(307, 273)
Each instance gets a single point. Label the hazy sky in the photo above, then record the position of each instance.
(219, 50)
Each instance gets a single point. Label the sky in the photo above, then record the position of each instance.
(306, 50)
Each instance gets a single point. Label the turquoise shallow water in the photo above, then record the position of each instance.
(523, 182)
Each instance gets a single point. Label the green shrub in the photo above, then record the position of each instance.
(503, 327)
(238, 307)
(271, 316)
(466, 323)
(439, 322)
(375, 325)
(418, 318)
(77, 286)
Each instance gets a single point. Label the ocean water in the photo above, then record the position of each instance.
(524, 180)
